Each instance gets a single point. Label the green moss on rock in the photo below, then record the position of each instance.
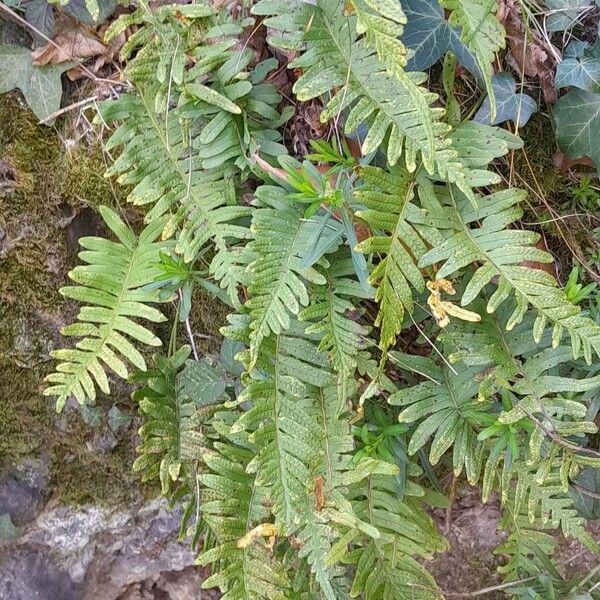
(46, 204)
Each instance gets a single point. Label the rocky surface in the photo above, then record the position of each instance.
(95, 553)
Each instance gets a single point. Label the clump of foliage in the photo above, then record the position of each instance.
(389, 312)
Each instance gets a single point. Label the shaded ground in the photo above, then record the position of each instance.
(470, 563)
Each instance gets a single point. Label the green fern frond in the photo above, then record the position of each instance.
(342, 336)
(480, 235)
(111, 284)
(550, 503)
(477, 145)
(535, 381)
(155, 159)
(481, 32)
(175, 400)
(524, 547)
(382, 24)
(303, 461)
(233, 504)
(448, 413)
(278, 287)
(281, 417)
(397, 108)
(385, 567)
(388, 199)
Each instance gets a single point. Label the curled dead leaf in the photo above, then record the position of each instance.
(530, 54)
(267, 530)
(72, 44)
(442, 310)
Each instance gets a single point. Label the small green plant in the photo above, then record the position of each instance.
(584, 196)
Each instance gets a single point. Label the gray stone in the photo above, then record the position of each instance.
(106, 552)
(22, 491)
(29, 574)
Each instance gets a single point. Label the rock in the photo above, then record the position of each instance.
(22, 491)
(107, 552)
(102, 442)
(29, 574)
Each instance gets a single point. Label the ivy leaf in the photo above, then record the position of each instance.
(40, 14)
(8, 531)
(118, 419)
(563, 13)
(510, 106)
(429, 36)
(577, 120)
(85, 12)
(581, 69)
(41, 86)
(229, 349)
(91, 415)
(588, 506)
(201, 382)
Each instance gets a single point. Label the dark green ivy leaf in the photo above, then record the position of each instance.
(201, 382)
(577, 120)
(580, 68)
(41, 86)
(510, 106)
(429, 36)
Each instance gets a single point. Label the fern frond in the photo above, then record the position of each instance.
(342, 336)
(111, 284)
(382, 24)
(397, 108)
(303, 460)
(233, 504)
(550, 503)
(278, 286)
(481, 32)
(281, 417)
(385, 567)
(477, 145)
(524, 547)
(479, 234)
(388, 199)
(155, 159)
(446, 409)
(174, 404)
(535, 381)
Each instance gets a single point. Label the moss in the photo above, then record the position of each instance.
(208, 315)
(535, 166)
(41, 217)
(549, 189)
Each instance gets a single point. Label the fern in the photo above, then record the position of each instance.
(448, 410)
(293, 457)
(234, 502)
(112, 285)
(502, 252)
(336, 57)
(481, 32)
(388, 200)
(385, 568)
(175, 403)
(278, 287)
(342, 336)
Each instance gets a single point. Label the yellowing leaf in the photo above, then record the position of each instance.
(263, 530)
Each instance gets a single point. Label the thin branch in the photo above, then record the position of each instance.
(66, 109)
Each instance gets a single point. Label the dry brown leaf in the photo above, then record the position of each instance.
(529, 52)
(565, 164)
(73, 43)
(111, 53)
